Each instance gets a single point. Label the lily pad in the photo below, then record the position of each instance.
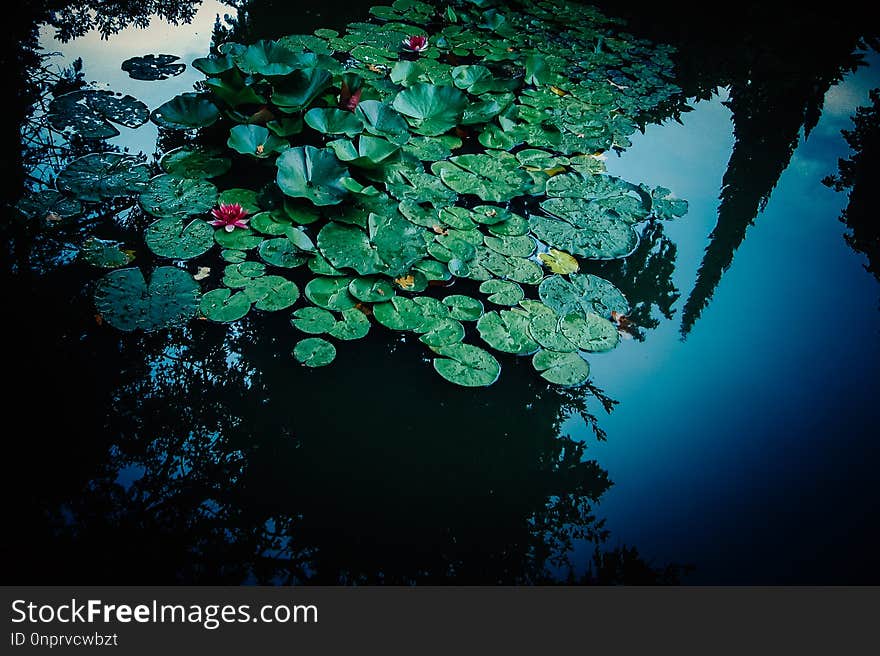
(255, 141)
(589, 331)
(195, 162)
(507, 331)
(582, 293)
(240, 274)
(102, 176)
(297, 90)
(354, 325)
(566, 369)
(313, 320)
(240, 240)
(463, 308)
(281, 252)
(329, 120)
(502, 292)
(127, 302)
(441, 332)
(330, 293)
(153, 67)
(467, 365)
(171, 237)
(313, 173)
(314, 352)
(399, 314)
(371, 290)
(247, 198)
(170, 196)
(544, 328)
(559, 261)
(492, 176)
(271, 293)
(88, 113)
(431, 110)
(186, 112)
(223, 306)
(48, 204)
(382, 120)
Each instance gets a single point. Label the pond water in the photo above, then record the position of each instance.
(742, 444)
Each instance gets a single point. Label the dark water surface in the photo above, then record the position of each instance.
(743, 442)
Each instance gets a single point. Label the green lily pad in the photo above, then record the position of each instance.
(127, 302)
(274, 223)
(665, 206)
(463, 308)
(223, 306)
(240, 274)
(431, 110)
(382, 120)
(102, 176)
(153, 67)
(507, 331)
(467, 365)
(584, 229)
(313, 320)
(308, 172)
(492, 176)
(544, 328)
(582, 293)
(186, 112)
(589, 331)
(566, 369)
(170, 196)
(330, 293)
(314, 352)
(238, 239)
(502, 292)
(247, 198)
(329, 120)
(399, 314)
(371, 290)
(354, 325)
(271, 293)
(264, 57)
(392, 246)
(233, 256)
(518, 246)
(195, 162)
(281, 252)
(171, 237)
(213, 64)
(369, 152)
(255, 141)
(104, 253)
(441, 332)
(297, 90)
(432, 149)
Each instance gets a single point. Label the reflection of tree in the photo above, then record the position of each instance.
(778, 64)
(859, 174)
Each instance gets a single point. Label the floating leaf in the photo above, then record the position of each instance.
(171, 237)
(255, 141)
(589, 331)
(281, 252)
(185, 112)
(559, 261)
(170, 196)
(399, 314)
(466, 365)
(330, 293)
(582, 293)
(48, 204)
(127, 302)
(441, 332)
(313, 320)
(492, 176)
(463, 308)
(104, 253)
(329, 120)
(314, 352)
(371, 290)
(153, 67)
(195, 162)
(566, 369)
(102, 176)
(308, 172)
(507, 331)
(431, 110)
(271, 293)
(297, 90)
(89, 112)
(544, 328)
(382, 120)
(240, 240)
(223, 306)
(354, 325)
(517, 246)
(240, 274)
(502, 292)
(247, 198)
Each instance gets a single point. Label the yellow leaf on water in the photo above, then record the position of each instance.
(556, 170)
(559, 261)
(406, 282)
(558, 91)
(202, 273)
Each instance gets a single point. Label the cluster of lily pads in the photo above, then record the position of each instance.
(429, 147)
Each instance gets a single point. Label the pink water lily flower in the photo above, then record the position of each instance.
(415, 43)
(229, 217)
